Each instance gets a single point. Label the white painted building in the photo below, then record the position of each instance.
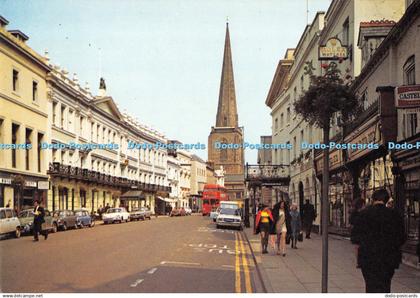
(92, 178)
(174, 177)
(184, 158)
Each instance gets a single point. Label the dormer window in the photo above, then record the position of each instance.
(410, 71)
(346, 33)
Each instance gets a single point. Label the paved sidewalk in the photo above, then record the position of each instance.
(300, 270)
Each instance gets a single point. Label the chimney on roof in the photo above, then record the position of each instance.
(47, 55)
(19, 35)
(3, 22)
(75, 78)
(102, 88)
(87, 87)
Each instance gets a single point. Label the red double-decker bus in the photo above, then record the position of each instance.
(213, 194)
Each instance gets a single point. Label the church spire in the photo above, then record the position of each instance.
(227, 115)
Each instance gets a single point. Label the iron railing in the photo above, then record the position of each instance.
(57, 169)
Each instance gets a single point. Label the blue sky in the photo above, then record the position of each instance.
(162, 59)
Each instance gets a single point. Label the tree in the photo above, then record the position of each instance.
(328, 96)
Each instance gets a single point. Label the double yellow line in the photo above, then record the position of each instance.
(241, 253)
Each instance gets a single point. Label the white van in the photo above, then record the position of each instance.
(9, 222)
(229, 205)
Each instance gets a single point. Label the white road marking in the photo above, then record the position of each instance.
(212, 248)
(180, 263)
(136, 283)
(151, 271)
(228, 266)
(204, 229)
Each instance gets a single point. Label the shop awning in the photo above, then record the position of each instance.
(133, 195)
(167, 200)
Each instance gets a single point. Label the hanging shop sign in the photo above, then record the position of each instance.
(333, 50)
(407, 96)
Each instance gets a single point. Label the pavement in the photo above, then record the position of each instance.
(300, 270)
(162, 255)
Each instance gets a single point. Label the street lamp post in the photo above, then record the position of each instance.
(254, 207)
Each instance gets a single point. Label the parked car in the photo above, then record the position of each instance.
(64, 219)
(9, 222)
(143, 213)
(188, 211)
(84, 219)
(230, 217)
(26, 218)
(136, 214)
(178, 212)
(119, 214)
(140, 213)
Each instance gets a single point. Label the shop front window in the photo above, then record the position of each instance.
(336, 202)
(412, 208)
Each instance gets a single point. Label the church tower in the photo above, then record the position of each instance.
(227, 131)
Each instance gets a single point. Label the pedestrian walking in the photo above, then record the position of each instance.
(379, 232)
(359, 204)
(156, 211)
(295, 223)
(390, 203)
(281, 216)
(99, 212)
(39, 214)
(308, 215)
(264, 221)
(272, 233)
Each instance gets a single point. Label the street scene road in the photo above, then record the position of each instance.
(165, 255)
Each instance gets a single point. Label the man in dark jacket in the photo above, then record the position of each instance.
(379, 232)
(39, 214)
(308, 216)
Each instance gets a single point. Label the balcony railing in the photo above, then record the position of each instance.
(56, 169)
(275, 174)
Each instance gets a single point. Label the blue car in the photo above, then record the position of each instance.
(83, 218)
